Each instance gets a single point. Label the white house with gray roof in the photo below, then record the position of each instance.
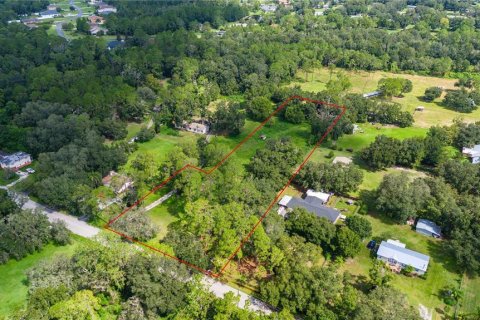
(398, 257)
(472, 153)
(15, 160)
(313, 202)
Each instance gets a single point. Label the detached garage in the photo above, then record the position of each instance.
(428, 228)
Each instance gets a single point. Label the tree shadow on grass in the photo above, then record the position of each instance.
(438, 251)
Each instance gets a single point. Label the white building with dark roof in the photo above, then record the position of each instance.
(48, 14)
(472, 153)
(15, 160)
(398, 257)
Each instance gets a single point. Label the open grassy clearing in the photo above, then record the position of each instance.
(4, 181)
(13, 288)
(471, 295)
(363, 81)
(441, 271)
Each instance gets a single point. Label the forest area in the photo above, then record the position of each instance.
(83, 110)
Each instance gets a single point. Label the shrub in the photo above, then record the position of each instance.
(432, 93)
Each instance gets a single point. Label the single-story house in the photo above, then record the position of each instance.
(428, 228)
(15, 160)
(95, 29)
(398, 257)
(311, 203)
(372, 94)
(96, 19)
(196, 127)
(118, 182)
(343, 160)
(472, 153)
(48, 14)
(322, 196)
(106, 9)
(115, 44)
(268, 7)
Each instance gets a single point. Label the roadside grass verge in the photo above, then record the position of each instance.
(13, 286)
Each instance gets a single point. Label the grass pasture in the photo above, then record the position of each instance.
(364, 81)
(13, 288)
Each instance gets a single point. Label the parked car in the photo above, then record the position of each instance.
(30, 170)
(371, 245)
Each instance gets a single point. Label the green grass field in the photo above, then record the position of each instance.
(13, 288)
(4, 181)
(363, 81)
(471, 295)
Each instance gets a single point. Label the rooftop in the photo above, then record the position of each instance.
(344, 160)
(472, 152)
(428, 225)
(403, 255)
(312, 205)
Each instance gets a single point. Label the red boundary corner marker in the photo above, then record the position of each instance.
(207, 172)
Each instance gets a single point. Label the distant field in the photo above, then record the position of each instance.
(363, 81)
(13, 289)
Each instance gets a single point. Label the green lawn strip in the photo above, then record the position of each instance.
(471, 294)
(13, 288)
(360, 140)
(133, 128)
(4, 181)
(298, 133)
(164, 214)
(441, 270)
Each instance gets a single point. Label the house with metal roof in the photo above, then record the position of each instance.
(48, 14)
(472, 153)
(311, 203)
(398, 257)
(428, 228)
(15, 160)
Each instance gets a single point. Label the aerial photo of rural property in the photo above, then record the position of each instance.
(239, 159)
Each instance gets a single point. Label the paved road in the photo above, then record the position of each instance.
(58, 25)
(85, 230)
(72, 223)
(220, 289)
(80, 13)
(160, 201)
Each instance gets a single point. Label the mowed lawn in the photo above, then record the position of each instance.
(363, 81)
(442, 270)
(471, 294)
(13, 287)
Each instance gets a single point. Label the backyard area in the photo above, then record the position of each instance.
(442, 271)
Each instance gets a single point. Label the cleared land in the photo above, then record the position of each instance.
(363, 81)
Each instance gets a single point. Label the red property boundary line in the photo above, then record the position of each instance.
(207, 172)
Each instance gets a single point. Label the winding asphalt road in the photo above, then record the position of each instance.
(83, 229)
(58, 25)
